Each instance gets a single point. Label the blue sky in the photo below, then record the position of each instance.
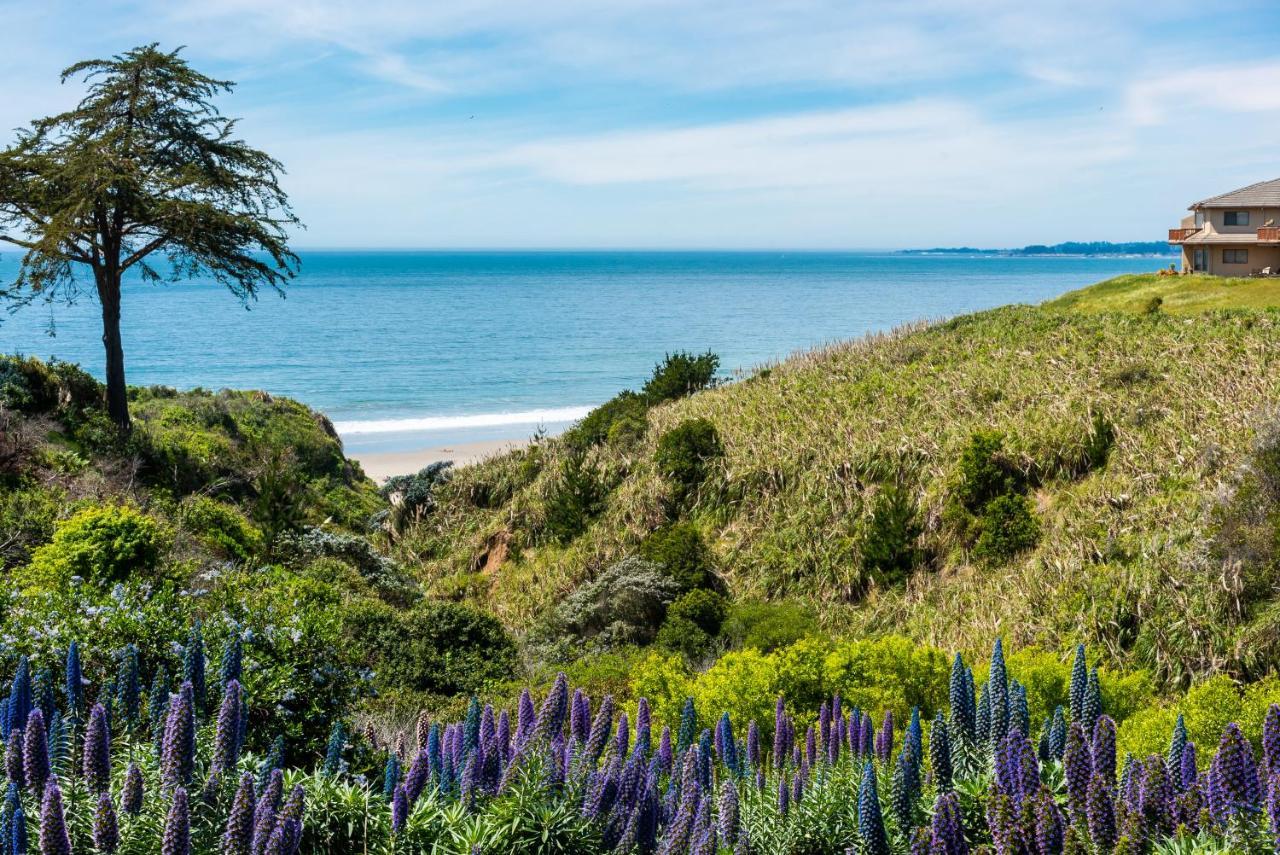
(741, 124)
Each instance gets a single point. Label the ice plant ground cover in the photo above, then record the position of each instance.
(164, 769)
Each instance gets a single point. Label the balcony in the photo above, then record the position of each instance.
(1269, 234)
(1179, 235)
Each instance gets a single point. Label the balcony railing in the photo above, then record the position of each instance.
(1179, 235)
(1269, 234)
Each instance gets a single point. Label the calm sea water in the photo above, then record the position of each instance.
(416, 349)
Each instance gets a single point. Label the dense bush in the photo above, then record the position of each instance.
(221, 527)
(680, 374)
(576, 497)
(441, 648)
(411, 497)
(679, 550)
(623, 418)
(625, 604)
(982, 472)
(693, 622)
(766, 626)
(1007, 527)
(686, 452)
(890, 544)
(384, 576)
(620, 419)
(101, 545)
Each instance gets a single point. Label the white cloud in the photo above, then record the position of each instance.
(1181, 96)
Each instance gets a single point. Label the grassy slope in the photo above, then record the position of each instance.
(1181, 295)
(805, 443)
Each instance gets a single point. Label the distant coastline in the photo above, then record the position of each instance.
(1075, 248)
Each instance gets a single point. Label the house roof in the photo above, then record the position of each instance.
(1264, 194)
(1205, 236)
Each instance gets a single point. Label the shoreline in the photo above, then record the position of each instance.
(381, 465)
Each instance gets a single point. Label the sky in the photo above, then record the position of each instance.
(744, 124)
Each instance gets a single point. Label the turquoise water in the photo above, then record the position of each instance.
(416, 349)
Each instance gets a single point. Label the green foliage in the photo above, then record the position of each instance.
(891, 672)
(279, 504)
(383, 576)
(982, 472)
(437, 647)
(1206, 709)
(1152, 306)
(101, 545)
(222, 527)
(412, 496)
(621, 419)
(693, 622)
(1008, 526)
(766, 626)
(680, 374)
(173, 180)
(27, 516)
(679, 550)
(625, 604)
(890, 546)
(686, 452)
(577, 496)
(29, 385)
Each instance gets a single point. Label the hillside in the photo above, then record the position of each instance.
(841, 470)
(1178, 295)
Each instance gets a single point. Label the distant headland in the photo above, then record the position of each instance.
(1097, 247)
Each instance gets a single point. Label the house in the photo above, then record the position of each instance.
(1235, 234)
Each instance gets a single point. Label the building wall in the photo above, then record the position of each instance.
(1258, 258)
(1214, 218)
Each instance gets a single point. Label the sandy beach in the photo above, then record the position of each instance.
(382, 465)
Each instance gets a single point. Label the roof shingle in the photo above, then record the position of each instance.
(1264, 194)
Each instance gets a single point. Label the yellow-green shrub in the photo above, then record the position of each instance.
(1206, 710)
(101, 545)
(221, 527)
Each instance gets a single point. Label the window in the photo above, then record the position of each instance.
(1235, 256)
(1235, 218)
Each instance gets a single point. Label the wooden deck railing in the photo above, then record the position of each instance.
(1179, 235)
(1269, 234)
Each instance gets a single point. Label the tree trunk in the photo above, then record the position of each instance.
(117, 391)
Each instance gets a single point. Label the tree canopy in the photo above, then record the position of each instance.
(144, 175)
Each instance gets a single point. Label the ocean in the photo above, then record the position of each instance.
(408, 350)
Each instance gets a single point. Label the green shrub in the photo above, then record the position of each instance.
(680, 374)
(412, 497)
(103, 545)
(768, 626)
(679, 550)
(705, 609)
(623, 605)
(693, 622)
(982, 472)
(681, 635)
(576, 498)
(686, 452)
(438, 647)
(1152, 306)
(279, 504)
(1007, 527)
(27, 518)
(621, 418)
(221, 527)
(890, 549)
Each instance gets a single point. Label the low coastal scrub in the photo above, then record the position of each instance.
(1024, 755)
(1035, 470)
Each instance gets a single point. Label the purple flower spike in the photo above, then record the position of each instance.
(131, 799)
(106, 828)
(947, 832)
(399, 810)
(177, 826)
(35, 753)
(54, 839)
(555, 706)
(238, 834)
(97, 750)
